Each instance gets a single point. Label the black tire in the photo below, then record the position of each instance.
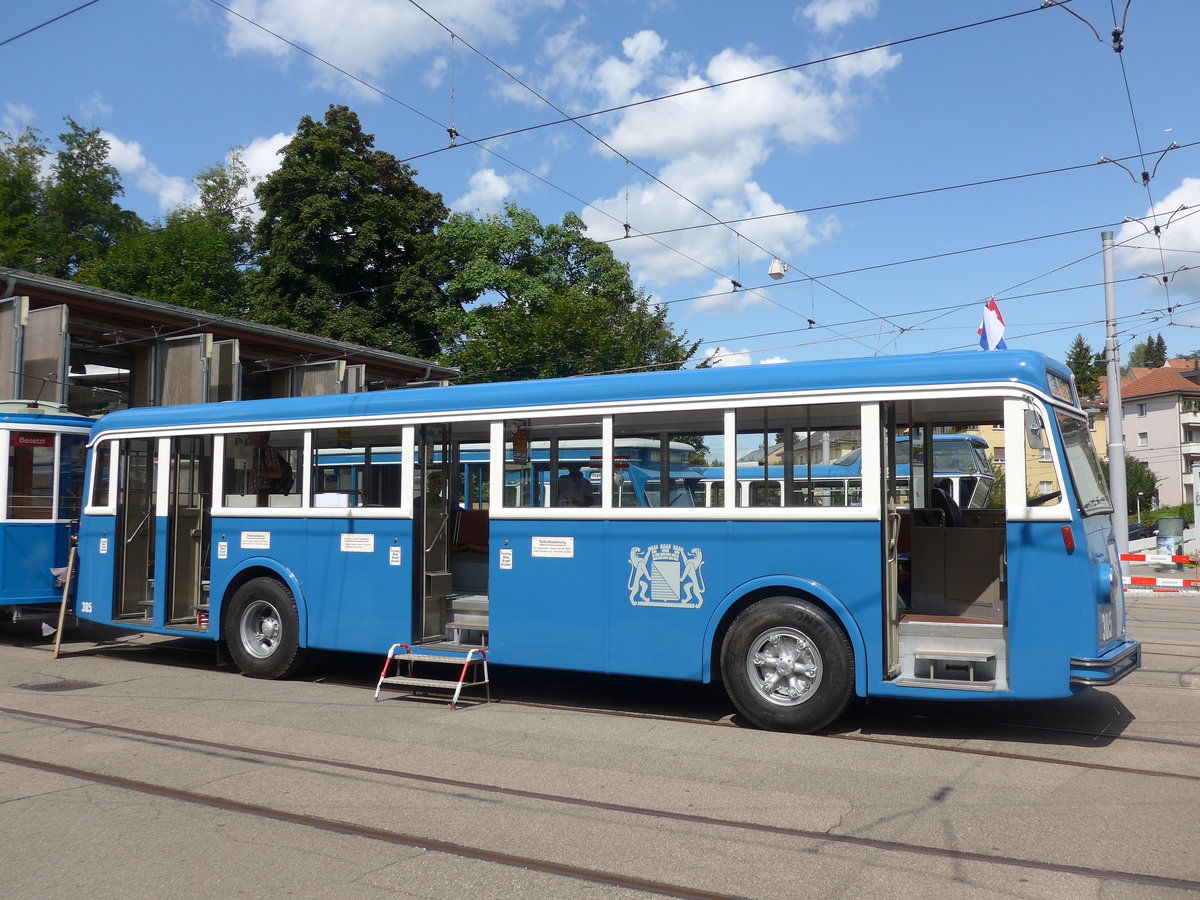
(787, 665)
(262, 630)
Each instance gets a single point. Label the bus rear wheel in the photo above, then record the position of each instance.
(787, 665)
(262, 630)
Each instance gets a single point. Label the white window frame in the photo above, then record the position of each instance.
(1016, 508)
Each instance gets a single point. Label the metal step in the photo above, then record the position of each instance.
(947, 684)
(427, 682)
(472, 603)
(470, 661)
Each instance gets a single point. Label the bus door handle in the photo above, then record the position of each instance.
(139, 527)
(437, 534)
(893, 534)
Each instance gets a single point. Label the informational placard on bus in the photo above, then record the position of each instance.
(256, 540)
(358, 543)
(554, 547)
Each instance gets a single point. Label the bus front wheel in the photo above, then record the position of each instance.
(787, 665)
(262, 630)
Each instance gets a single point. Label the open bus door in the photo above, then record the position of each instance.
(433, 472)
(189, 530)
(136, 515)
(162, 554)
(892, 546)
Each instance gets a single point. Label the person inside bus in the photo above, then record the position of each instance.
(573, 488)
(266, 466)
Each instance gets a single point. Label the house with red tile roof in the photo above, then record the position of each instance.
(1160, 415)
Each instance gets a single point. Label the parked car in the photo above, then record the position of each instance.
(1136, 531)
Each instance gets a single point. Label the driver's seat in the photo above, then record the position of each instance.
(941, 499)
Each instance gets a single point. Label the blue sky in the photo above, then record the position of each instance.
(795, 162)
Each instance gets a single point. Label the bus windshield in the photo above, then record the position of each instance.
(1086, 470)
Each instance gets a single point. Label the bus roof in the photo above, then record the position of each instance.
(1022, 367)
(33, 411)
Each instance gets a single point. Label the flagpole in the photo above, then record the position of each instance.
(1116, 432)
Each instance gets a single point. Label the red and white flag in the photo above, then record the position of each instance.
(991, 329)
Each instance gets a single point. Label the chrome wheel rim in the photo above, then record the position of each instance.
(261, 629)
(785, 666)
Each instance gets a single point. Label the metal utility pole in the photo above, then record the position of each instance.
(1116, 434)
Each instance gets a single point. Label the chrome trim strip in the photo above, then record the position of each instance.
(1104, 663)
(1116, 668)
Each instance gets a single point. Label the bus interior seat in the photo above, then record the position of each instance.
(471, 530)
(941, 500)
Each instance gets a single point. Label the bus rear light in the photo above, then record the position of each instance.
(1068, 538)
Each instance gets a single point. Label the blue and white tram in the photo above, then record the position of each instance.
(42, 452)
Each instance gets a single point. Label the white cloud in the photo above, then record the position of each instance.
(712, 143)
(827, 15)
(261, 157)
(367, 36)
(435, 72)
(619, 78)
(1139, 248)
(723, 356)
(869, 64)
(487, 192)
(127, 156)
(16, 117)
(773, 360)
(96, 107)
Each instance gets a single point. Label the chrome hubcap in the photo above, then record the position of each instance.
(785, 666)
(260, 629)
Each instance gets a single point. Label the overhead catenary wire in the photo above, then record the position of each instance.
(706, 87)
(51, 21)
(744, 78)
(625, 225)
(904, 195)
(456, 136)
(576, 120)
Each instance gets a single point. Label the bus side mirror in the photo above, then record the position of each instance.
(1033, 429)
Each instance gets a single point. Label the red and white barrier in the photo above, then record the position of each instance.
(1162, 585)
(1157, 558)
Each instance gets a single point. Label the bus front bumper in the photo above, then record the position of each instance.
(1109, 668)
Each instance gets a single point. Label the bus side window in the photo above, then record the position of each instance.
(102, 468)
(357, 466)
(1041, 479)
(31, 475)
(552, 463)
(659, 458)
(72, 454)
(800, 456)
(245, 483)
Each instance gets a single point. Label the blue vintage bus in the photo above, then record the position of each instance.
(42, 449)
(796, 607)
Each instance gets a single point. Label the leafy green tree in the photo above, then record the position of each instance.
(1087, 365)
(195, 257)
(1138, 355)
(80, 211)
(1160, 351)
(1139, 479)
(347, 242)
(540, 301)
(1150, 353)
(21, 190)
